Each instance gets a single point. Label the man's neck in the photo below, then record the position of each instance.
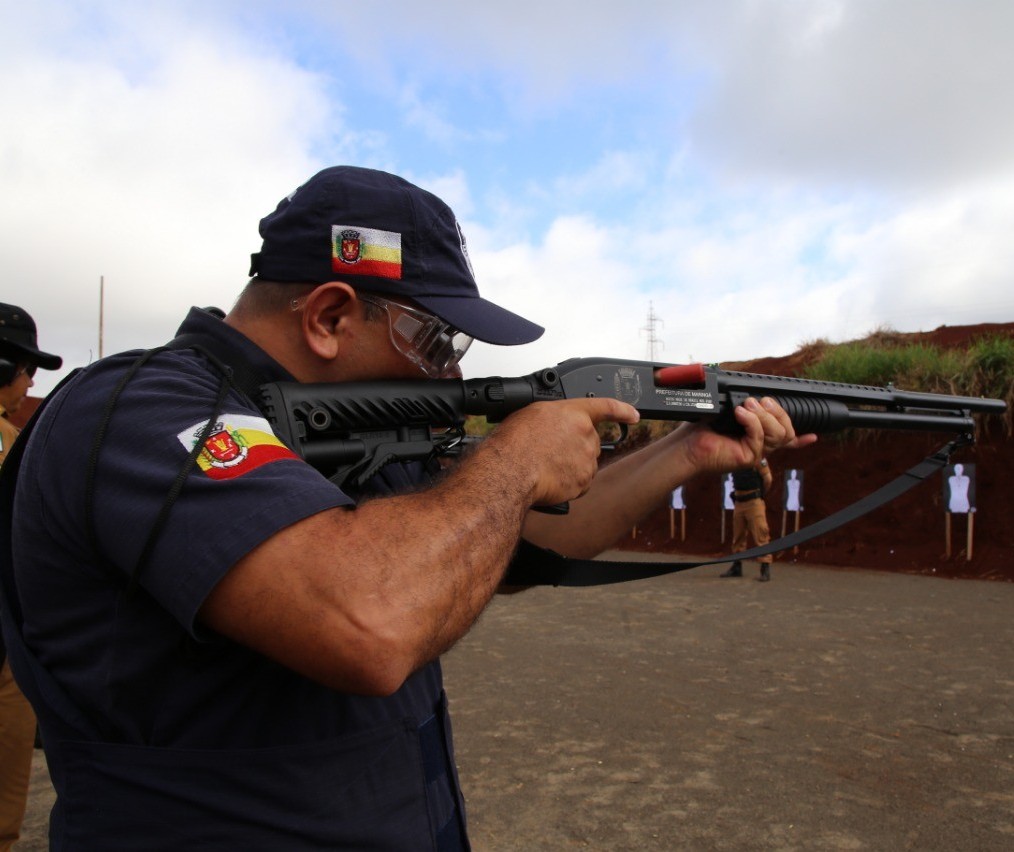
(266, 335)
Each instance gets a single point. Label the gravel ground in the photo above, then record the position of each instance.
(828, 709)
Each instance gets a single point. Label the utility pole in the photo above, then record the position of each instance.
(102, 310)
(649, 329)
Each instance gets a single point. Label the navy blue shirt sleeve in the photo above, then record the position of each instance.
(244, 488)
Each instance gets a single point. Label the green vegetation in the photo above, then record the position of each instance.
(990, 363)
(916, 367)
(478, 427)
(985, 368)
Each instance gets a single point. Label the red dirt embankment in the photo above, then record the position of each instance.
(906, 535)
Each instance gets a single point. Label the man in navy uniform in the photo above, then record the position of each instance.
(225, 650)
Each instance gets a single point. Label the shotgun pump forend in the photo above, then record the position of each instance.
(349, 430)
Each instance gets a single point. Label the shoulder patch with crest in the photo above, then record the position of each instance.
(238, 444)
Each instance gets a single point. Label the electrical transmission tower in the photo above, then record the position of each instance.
(649, 329)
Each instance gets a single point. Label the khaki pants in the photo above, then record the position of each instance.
(17, 739)
(750, 519)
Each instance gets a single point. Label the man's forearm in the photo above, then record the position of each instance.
(359, 599)
(623, 494)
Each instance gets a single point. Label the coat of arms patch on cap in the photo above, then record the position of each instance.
(366, 251)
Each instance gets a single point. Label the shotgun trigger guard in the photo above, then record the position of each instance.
(448, 440)
(612, 445)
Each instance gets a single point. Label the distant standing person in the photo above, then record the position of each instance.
(749, 515)
(19, 358)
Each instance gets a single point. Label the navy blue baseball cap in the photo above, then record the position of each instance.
(382, 234)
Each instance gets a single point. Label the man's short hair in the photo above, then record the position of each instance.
(263, 298)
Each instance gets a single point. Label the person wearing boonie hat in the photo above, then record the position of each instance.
(246, 656)
(20, 356)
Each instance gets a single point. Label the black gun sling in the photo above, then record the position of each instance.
(535, 566)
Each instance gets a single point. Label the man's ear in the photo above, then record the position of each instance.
(330, 312)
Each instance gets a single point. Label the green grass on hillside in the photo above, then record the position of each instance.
(984, 369)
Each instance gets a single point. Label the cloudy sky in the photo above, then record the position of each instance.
(756, 173)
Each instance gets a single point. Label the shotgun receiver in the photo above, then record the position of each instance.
(350, 430)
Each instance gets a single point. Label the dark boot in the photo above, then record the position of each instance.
(765, 574)
(735, 571)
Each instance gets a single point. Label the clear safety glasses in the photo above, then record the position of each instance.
(427, 341)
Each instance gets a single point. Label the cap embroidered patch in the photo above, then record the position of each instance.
(366, 251)
(238, 444)
(407, 243)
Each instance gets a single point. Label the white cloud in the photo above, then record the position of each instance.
(945, 260)
(747, 284)
(153, 179)
(832, 166)
(452, 188)
(903, 92)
